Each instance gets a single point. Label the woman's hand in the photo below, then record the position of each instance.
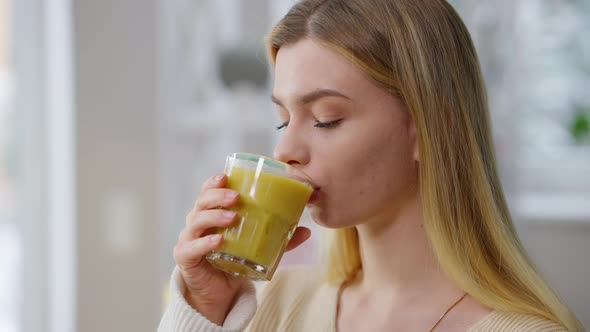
(208, 290)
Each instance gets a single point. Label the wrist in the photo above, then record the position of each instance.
(214, 312)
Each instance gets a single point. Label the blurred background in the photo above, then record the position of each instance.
(112, 114)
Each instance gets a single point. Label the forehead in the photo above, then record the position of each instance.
(307, 65)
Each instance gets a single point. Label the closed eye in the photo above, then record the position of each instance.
(285, 124)
(329, 124)
(318, 124)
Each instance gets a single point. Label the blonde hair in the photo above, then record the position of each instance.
(421, 52)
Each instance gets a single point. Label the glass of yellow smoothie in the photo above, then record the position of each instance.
(272, 198)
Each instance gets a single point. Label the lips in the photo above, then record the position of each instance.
(314, 196)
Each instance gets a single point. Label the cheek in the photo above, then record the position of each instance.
(374, 170)
(378, 157)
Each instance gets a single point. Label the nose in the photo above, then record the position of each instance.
(292, 147)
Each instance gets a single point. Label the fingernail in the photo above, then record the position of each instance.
(231, 194)
(218, 177)
(229, 214)
(215, 238)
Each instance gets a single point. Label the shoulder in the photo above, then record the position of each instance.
(515, 322)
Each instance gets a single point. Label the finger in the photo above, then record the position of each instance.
(197, 224)
(216, 197)
(300, 235)
(216, 181)
(189, 254)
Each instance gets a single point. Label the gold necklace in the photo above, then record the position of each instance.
(356, 275)
(446, 312)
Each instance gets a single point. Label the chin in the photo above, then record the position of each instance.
(323, 218)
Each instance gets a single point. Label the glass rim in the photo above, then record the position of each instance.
(255, 156)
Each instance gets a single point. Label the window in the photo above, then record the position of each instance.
(535, 56)
(554, 67)
(36, 241)
(10, 235)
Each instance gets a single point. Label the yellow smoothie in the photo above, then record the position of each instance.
(269, 209)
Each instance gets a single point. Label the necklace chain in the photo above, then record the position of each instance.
(435, 324)
(446, 312)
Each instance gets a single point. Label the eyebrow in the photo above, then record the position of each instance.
(313, 96)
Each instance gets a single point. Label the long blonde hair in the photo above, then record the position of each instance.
(421, 52)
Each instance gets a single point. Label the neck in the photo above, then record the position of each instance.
(396, 255)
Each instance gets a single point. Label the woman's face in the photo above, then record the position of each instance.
(355, 141)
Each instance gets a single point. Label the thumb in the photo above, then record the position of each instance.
(300, 235)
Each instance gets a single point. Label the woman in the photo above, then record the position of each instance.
(384, 107)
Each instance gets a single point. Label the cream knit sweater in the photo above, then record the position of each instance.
(295, 301)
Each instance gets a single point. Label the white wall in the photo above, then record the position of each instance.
(115, 49)
(560, 246)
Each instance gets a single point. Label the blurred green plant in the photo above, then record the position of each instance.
(580, 125)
